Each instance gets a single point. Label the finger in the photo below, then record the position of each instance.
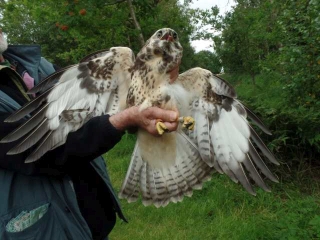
(172, 126)
(165, 115)
(151, 128)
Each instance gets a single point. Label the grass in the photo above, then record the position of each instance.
(223, 209)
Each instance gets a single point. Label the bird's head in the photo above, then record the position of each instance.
(165, 34)
(162, 52)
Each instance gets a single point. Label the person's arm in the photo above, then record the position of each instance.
(101, 134)
(96, 137)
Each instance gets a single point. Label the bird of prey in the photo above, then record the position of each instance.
(214, 135)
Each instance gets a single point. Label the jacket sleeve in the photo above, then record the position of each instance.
(95, 138)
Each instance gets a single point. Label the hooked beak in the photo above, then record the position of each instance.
(167, 37)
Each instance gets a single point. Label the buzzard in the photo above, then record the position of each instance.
(214, 134)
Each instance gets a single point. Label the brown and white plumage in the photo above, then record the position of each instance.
(162, 169)
(181, 161)
(70, 98)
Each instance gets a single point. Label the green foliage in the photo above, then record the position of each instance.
(295, 129)
(222, 209)
(71, 29)
(277, 44)
(208, 60)
(300, 53)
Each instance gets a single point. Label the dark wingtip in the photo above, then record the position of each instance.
(8, 120)
(5, 140)
(267, 190)
(12, 118)
(253, 193)
(255, 137)
(30, 160)
(255, 119)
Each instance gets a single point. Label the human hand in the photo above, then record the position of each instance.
(145, 119)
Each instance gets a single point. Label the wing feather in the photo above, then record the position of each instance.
(32, 138)
(238, 171)
(28, 107)
(76, 94)
(26, 127)
(49, 81)
(260, 163)
(222, 87)
(254, 174)
(254, 118)
(219, 115)
(257, 140)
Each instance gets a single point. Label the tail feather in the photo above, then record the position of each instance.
(176, 195)
(182, 184)
(162, 185)
(146, 198)
(157, 187)
(130, 186)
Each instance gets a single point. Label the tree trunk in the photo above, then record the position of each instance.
(136, 23)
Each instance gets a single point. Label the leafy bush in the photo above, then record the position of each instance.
(295, 128)
(275, 47)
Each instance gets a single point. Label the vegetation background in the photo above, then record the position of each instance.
(270, 52)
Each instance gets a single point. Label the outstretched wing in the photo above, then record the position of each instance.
(69, 98)
(225, 139)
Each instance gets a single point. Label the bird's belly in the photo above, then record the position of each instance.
(158, 152)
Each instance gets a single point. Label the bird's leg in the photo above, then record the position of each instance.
(187, 122)
(161, 127)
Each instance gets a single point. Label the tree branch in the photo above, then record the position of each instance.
(136, 23)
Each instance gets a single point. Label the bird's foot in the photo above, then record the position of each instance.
(161, 127)
(187, 122)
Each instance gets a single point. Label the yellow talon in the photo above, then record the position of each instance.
(161, 127)
(187, 122)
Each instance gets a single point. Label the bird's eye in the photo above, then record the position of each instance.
(175, 35)
(159, 34)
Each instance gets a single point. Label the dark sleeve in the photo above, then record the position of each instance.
(95, 138)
